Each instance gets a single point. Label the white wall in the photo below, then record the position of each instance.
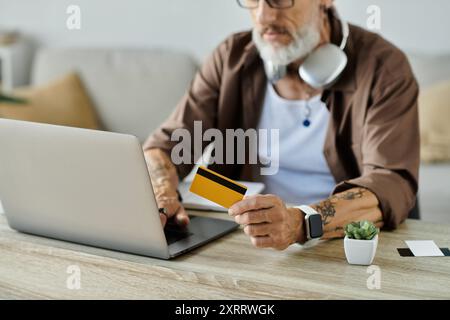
(414, 25)
(198, 25)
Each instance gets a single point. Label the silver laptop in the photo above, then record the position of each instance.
(89, 187)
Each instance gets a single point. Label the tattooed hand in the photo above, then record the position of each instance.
(164, 179)
(328, 207)
(352, 205)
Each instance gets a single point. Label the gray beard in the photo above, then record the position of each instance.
(305, 41)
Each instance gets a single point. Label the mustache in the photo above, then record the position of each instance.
(275, 28)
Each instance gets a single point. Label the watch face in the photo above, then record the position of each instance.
(315, 226)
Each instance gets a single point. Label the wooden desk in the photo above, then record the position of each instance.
(229, 268)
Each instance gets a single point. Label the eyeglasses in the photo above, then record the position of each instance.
(275, 4)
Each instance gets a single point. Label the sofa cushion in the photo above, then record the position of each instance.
(434, 108)
(133, 90)
(63, 102)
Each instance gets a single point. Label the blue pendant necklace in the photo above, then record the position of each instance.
(307, 121)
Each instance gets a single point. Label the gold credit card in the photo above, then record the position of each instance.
(217, 188)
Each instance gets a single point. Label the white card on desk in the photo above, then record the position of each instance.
(424, 248)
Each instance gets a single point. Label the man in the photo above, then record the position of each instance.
(357, 141)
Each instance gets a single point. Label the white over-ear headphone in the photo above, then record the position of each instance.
(321, 68)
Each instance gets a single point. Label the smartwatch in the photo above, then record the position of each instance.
(313, 223)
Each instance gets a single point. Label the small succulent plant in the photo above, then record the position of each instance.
(362, 230)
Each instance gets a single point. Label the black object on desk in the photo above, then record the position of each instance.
(406, 252)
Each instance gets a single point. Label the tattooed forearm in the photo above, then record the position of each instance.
(164, 178)
(327, 207)
(327, 210)
(351, 195)
(342, 208)
(162, 172)
(159, 173)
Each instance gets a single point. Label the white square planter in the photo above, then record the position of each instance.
(360, 252)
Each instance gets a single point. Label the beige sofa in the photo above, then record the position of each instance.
(132, 90)
(434, 183)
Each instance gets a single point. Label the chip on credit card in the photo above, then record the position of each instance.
(217, 188)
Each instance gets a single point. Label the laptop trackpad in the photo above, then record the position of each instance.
(199, 231)
(174, 232)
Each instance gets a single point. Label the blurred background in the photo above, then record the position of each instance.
(197, 26)
(131, 61)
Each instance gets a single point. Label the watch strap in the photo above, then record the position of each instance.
(308, 211)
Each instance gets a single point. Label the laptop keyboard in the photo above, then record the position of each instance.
(175, 233)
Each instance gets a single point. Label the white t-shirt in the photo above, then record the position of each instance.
(303, 176)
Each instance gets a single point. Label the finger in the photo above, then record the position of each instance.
(163, 219)
(253, 217)
(254, 202)
(182, 217)
(170, 205)
(257, 230)
(262, 242)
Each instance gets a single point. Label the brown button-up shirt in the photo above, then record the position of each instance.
(372, 138)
